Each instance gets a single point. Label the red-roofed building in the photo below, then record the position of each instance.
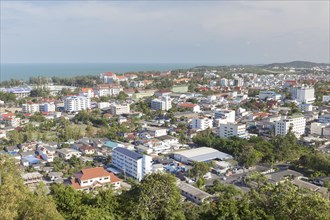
(188, 105)
(92, 178)
(87, 92)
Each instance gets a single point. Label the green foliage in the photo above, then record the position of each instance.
(17, 201)
(256, 149)
(7, 97)
(199, 169)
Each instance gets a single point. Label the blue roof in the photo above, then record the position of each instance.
(128, 153)
(31, 159)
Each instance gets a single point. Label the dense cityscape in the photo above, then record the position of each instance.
(164, 110)
(176, 144)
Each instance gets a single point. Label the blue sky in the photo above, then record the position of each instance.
(164, 31)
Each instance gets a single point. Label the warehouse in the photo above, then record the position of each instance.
(201, 154)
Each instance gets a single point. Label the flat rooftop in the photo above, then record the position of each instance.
(203, 154)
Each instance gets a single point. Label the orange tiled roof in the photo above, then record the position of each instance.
(91, 173)
(187, 105)
(86, 89)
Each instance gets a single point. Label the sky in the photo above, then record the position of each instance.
(224, 32)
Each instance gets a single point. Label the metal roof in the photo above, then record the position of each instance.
(128, 153)
(204, 154)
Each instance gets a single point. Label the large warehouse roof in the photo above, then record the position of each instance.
(204, 154)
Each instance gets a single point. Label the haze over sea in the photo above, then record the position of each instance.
(24, 71)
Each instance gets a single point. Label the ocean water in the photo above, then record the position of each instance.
(25, 71)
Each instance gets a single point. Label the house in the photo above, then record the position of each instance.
(32, 179)
(87, 149)
(92, 178)
(67, 153)
(55, 176)
(192, 193)
(169, 140)
(188, 105)
(46, 153)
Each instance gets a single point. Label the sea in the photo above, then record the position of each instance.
(23, 71)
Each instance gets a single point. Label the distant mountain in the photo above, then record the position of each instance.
(296, 64)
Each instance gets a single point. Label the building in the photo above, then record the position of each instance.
(47, 107)
(30, 108)
(108, 77)
(326, 98)
(94, 178)
(201, 154)
(201, 123)
(225, 115)
(303, 94)
(263, 95)
(46, 153)
(238, 82)
(192, 193)
(32, 179)
(67, 153)
(131, 163)
(19, 92)
(87, 92)
(296, 122)
(108, 90)
(324, 118)
(190, 106)
(320, 129)
(76, 103)
(163, 103)
(119, 109)
(179, 88)
(305, 107)
(223, 82)
(232, 129)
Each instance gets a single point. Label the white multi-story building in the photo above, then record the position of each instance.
(47, 107)
(231, 129)
(108, 90)
(305, 107)
(263, 95)
(108, 77)
(296, 122)
(223, 82)
(132, 163)
(238, 82)
(30, 108)
(164, 103)
(76, 103)
(225, 114)
(201, 123)
(120, 109)
(303, 94)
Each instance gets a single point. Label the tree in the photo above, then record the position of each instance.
(200, 169)
(156, 197)
(17, 201)
(201, 182)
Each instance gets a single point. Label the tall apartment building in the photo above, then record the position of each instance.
(223, 82)
(238, 82)
(228, 115)
(119, 109)
(201, 123)
(303, 94)
(163, 103)
(76, 103)
(231, 129)
(131, 163)
(296, 122)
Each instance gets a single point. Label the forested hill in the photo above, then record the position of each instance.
(296, 64)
